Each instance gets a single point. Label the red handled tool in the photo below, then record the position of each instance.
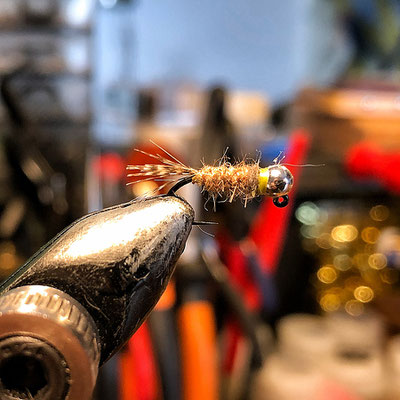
(365, 161)
(139, 379)
(197, 333)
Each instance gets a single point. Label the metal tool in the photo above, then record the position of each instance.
(81, 296)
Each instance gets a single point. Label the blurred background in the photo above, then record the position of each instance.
(278, 304)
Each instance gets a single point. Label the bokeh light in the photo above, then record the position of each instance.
(330, 302)
(324, 241)
(389, 276)
(344, 233)
(307, 213)
(342, 262)
(364, 294)
(377, 261)
(327, 274)
(370, 234)
(354, 307)
(379, 213)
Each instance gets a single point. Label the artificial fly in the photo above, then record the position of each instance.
(225, 181)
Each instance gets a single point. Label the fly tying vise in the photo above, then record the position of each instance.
(227, 181)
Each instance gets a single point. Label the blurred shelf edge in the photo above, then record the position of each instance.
(46, 123)
(354, 102)
(56, 75)
(47, 29)
(338, 119)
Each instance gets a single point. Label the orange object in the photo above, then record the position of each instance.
(167, 300)
(198, 351)
(333, 391)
